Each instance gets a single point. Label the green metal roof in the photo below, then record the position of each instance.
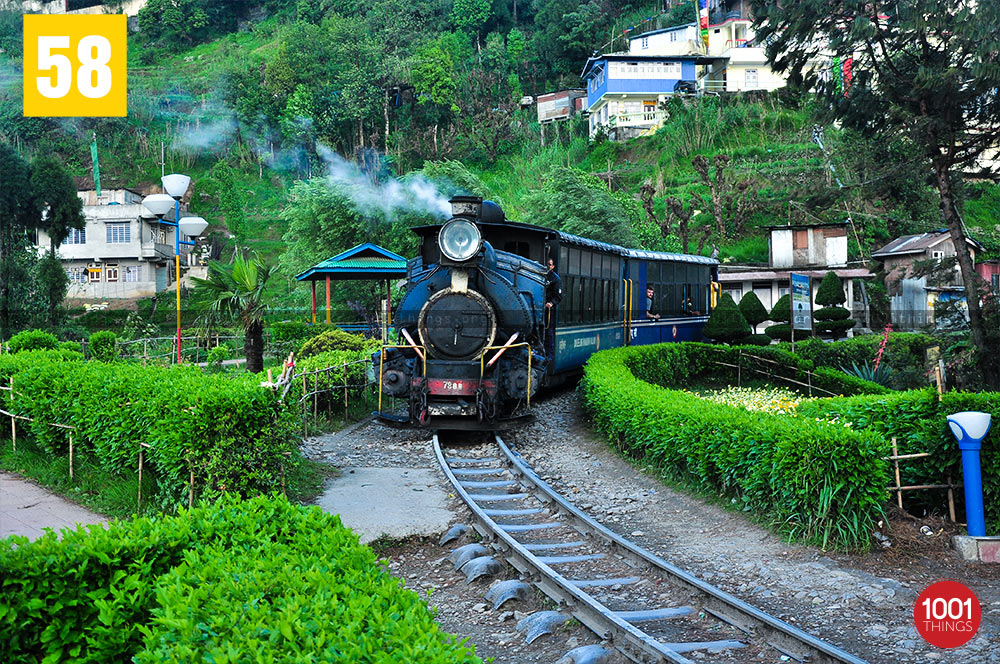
(365, 261)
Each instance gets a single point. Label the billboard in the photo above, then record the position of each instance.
(801, 303)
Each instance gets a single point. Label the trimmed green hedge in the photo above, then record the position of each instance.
(919, 422)
(233, 433)
(261, 580)
(814, 480)
(32, 340)
(905, 353)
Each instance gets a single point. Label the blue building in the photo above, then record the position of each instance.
(625, 90)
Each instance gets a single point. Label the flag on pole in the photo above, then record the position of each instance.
(97, 167)
(837, 75)
(703, 20)
(848, 73)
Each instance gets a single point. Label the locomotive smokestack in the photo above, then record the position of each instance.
(466, 206)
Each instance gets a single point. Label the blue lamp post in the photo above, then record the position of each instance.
(969, 429)
(175, 185)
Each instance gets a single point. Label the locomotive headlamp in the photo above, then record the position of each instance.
(459, 240)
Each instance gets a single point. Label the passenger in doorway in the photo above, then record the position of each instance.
(649, 304)
(688, 308)
(553, 296)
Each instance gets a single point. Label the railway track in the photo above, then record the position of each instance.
(642, 607)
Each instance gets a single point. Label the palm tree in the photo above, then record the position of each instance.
(237, 290)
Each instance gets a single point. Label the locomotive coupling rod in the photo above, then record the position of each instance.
(413, 344)
(500, 352)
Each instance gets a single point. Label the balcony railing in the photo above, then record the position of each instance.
(642, 119)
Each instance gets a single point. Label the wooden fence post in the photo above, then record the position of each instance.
(305, 407)
(190, 485)
(139, 499)
(71, 455)
(13, 421)
(895, 462)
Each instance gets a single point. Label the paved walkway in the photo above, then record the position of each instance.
(28, 509)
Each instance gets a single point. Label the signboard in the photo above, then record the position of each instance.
(801, 303)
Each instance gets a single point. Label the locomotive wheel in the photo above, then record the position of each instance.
(456, 325)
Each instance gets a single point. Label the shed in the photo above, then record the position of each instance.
(365, 261)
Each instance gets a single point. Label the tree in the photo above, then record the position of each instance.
(237, 290)
(781, 313)
(726, 324)
(19, 214)
(753, 310)
(832, 318)
(470, 15)
(579, 203)
(922, 69)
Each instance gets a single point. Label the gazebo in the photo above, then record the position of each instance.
(365, 261)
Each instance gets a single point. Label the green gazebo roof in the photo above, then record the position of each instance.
(365, 261)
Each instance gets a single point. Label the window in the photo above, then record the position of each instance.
(77, 236)
(800, 239)
(751, 79)
(111, 273)
(77, 275)
(937, 255)
(645, 42)
(95, 273)
(673, 36)
(672, 69)
(132, 273)
(995, 280)
(119, 233)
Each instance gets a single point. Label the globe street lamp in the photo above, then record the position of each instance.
(176, 185)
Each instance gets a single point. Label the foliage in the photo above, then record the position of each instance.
(286, 336)
(812, 479)
(867, 371)
(217, 356)
(726, 324)
(753, 310)
(55, 194)
(131, 591)
(233, 434)
(918, 421)
(756, 340)
(938, 96)
(104, 346)
(20, 213)
(237, 290)
(32, 340)
(330, 339)
(904, 353)
(830, 291)
(781, 314)
(578, 203)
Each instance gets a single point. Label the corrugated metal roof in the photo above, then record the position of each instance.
(365, 261)
(362, 262)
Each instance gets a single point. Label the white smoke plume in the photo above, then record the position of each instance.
(413, 193)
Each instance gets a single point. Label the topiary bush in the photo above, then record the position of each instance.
(782, 315)
(32, 340)
(832, 318)
(753, 310)
(330, 340)
(257, 580)
(756, 340)
(69, 345)
(726, 324)
(814, 480)
(104, 346)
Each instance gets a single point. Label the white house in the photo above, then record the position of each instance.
(122, 252)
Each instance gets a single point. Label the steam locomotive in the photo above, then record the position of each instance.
(476, 341)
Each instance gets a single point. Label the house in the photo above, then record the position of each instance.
(990, 273)
(122, 251)
(808, 249)
(911, 297)
(560, 105)
(624, 91)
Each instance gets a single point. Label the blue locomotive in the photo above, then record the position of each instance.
(476, 337)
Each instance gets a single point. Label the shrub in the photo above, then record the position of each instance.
(330, 340)
(104, 346)
(32, 340)
(814, 480)
(726, 324)
(756, 340)
(218, 355)
(234, 434)
(782, 315)
(287, 336)
(753, 310)
(832, 318)
(904, 353)
(69, 346)
(201, 586)
(779, 332)
(919, 423)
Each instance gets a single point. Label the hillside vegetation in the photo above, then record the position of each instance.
(310, 126)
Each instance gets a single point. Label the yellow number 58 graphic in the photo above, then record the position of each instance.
(74, 65)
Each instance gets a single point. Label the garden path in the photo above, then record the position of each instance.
(28, 509)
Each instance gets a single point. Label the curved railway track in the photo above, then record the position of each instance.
(640, 605)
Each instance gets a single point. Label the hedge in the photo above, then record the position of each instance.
(286, 336)
(814, 480)
(905, 353)
(261, 580)
(234, 434)
(32, 340)
(919, 423)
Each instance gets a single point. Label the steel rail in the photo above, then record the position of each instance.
(631, 641)
(786, 638)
